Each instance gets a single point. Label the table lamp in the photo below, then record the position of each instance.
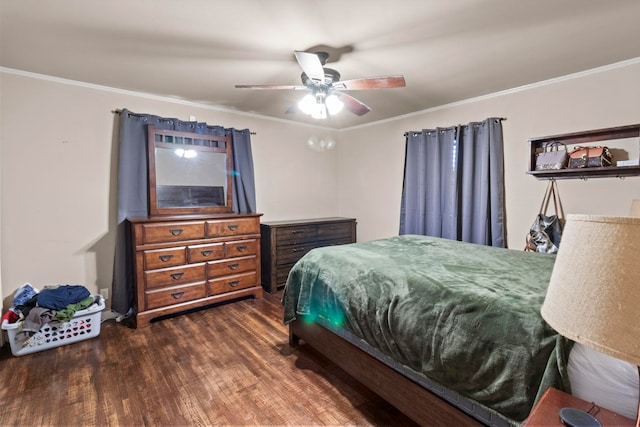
(594, 293)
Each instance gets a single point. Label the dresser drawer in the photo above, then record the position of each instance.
(162, 258)
(334, 242)
(172, 232)
(282, 272)
(242, 248)
(232, 283)
(334, 231)
(296, 234)
(175, 275)
(175, 295)
(233, 227)
(287, 256)
(292, 253)
(202, 253)
(231, 266)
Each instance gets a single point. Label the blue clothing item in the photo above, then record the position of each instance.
(60, 297)
(23, 294)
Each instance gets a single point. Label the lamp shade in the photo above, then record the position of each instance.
(635, 208)
(594, 292)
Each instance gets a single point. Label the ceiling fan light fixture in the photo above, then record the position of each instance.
(307, 104)
(320, 111)
(319, 106)
(313, 104)
(334, 104)
(327, 96)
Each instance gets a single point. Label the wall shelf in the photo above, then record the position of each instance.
(585, 138)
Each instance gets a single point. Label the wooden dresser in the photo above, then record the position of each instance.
(188, 262)
(285, 242)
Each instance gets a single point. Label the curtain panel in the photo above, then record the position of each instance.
(133, 190)
(454, 183)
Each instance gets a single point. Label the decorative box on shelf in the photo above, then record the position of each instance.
(634, 162)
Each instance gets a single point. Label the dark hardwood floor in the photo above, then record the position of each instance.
(226, 365)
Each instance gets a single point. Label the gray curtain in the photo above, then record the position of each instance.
(133, 191)
(454, 183)
(244, 184)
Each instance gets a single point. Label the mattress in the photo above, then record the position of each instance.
(608, 382)
(464, 316)
(479, 412)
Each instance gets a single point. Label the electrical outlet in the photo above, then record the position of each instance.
(105, 293)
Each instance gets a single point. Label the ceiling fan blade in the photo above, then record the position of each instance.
(271, 87)
(311, 65)
(382, 82)
(352, 104)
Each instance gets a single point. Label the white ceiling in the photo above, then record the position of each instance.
(197, 50)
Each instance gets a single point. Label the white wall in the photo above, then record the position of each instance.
(372, 162)
(59, 175)
(58, 165)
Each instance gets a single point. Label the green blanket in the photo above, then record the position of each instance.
(466, 316)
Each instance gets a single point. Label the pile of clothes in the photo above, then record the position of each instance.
(33, 309)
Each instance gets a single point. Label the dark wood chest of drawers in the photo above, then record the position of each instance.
(285, 242)
(183, 263)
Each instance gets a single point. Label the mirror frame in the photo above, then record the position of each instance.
(161, 138)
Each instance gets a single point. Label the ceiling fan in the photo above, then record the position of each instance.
(326, 88)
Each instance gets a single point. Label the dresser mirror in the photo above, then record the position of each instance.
(188, 173)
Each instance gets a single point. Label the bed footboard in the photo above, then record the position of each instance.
(418, 403)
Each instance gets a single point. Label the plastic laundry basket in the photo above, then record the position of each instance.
(85, 324)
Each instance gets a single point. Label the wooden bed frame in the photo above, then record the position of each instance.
(418, 403)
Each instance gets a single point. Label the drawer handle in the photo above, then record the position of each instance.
(234, 283)
(297, 232)
(165, 258)
(232, 227)
(176, 231)
(206, 252)
(177, 295)
(297, 250)
(176, 276)
(242, 248)
(233, 266)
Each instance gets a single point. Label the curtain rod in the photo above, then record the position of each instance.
(496, 118)
(119, 111)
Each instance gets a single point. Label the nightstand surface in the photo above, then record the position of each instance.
(545, 413)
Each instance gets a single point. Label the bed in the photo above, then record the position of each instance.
(448, 332)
